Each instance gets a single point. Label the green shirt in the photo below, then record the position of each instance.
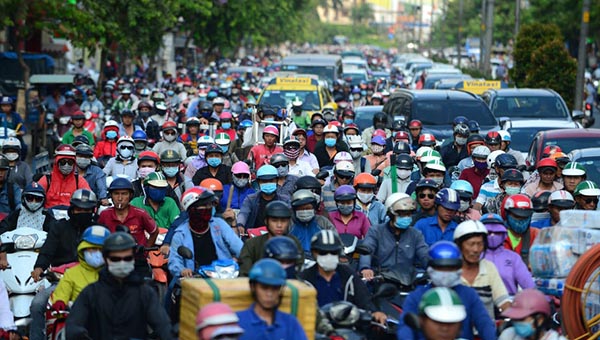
(68, 137)
(166, 214)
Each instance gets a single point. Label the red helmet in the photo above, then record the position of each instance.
(348, 112)
(550, 149)
(547, 163)
(528, 302)
(415, 123)
(401, 135)
(518, 204)
(169, 125)
(379, 133)
(65, 150)
(271, 130)
(427, 139)
(149, 156)
(336, 123)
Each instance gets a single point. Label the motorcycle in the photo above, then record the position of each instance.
(21, 245)
(158, 261)
(64, 124)
(353, 323)
(56, 320)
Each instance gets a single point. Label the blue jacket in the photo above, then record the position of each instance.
(4, 198)
(249, 211)
(96, 178)
(376, 213)
(432, 232)
(227, 244)
(284, 326)
(239, 195)
(477, 315)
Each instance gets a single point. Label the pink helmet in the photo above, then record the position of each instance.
(271, 130)
(214, 316)
(225, 115)
(528, 302)
(240, 168)
(342, 156)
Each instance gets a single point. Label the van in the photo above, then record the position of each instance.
(327, 66)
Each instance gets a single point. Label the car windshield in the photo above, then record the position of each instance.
(356, 77)
(275, 98)
(569, 144)
(364, 117)
(324, 72)
(529, 107)
(443, 112)
(592, 167)
(521, 137)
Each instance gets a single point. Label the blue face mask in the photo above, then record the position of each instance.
(171, 171)
(93, 258)
(225, 148)
(111, 134)
(345, 209)
(156, 194)
(214, 162)
(226, 126)
(403, 222)
(269, 119)
(206, 114)
(268, 188)
(170, 93)
(348, 121)
(330, 142)
(518, 226)
(523, 329)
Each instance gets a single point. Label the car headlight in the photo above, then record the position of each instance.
(25, 242)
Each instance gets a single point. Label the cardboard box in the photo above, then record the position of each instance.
(299, 299)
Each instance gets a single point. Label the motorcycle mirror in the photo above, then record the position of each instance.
(522, 167)
(322, 175)
(412, 320)
(7, 247)
(386, 291)
(363, 250)
(185, 252)
(376, 172)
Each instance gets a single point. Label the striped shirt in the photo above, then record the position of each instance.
(489, 286)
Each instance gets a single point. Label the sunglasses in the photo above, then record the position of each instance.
(347, 178)
(126, 147)
(280, 165)
(290, 147)
(170, 132)
(590, 200)
(119, 258)
(33, 198)
(414, 129)
(323, 252)
(430, 196)
(242, 175)
(66, 161)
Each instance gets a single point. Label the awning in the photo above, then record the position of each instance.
(51, 79)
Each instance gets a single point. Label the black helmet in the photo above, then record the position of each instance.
(84, 150)
(302, 197)
(540, 201)
(512, 175)
(506, 161)
(118, 241)
(326, 240)
(492, 138)
(404, 161)
(401, 148)
(278, 209)
(281, 248)
(427, 183)
(380, 117)
(206, 106)
(127, 112)
(119, 184)
(84, 199)
(399, 125)
(475, 137)
(4, 163)
(308, 182)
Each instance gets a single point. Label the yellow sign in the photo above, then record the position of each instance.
(294, 81)
(480, 86)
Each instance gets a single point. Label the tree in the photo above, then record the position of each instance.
(530, 38)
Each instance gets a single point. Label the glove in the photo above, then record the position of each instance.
(58, 306)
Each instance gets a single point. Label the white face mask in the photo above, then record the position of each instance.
(461, 141)
(305, 215)
(83, 162)
(121, 269)
(169, 138)
(438, 180)
(328, 262)
(464, 206)
(403, 173)
(11, 156)
(376, 148)
(444, 279)
(355, 154)
(365, 197)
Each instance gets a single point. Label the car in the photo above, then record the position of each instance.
(567, 139)
(357, 76)
(281, 91)
(590, 159)
(436, 109)
(433, 78)
(528, 104)
(364, 115)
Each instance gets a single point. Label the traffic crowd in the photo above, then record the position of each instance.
(177, 157)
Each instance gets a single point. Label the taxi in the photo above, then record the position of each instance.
(281, 91)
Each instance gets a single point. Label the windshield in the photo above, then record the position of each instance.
(324, 72)
(592, 167)
(356, 77)
(569, 144)
(529, 107)
(310, 99)
(521, 137)
(443, 112)
(364, 117)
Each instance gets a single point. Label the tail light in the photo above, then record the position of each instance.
(588, 106)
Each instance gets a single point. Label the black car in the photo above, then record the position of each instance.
(436, 109)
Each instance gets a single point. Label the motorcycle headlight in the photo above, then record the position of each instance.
(25, 242)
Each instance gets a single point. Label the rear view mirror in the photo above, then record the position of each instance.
(386, 291)
(185, 252)
(412, 320)
(363, 250)
(322, 175)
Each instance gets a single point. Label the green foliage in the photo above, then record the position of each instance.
(362, 13)
(552, 67)
(530, 38)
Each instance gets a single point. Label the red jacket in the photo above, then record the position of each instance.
(106, 147)
(475, 177)
(61, 186)
(260, 154)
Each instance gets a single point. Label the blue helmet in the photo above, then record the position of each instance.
(448, 198)
(266, 172)
(491, 218)
(473, 126)
(244, 124)
(281, 248)
(34, 189)
(211, 95)
(460, 120)
(6, 101)
(464, 188)
(268, 272)
(506, 161)
(95, 234)
(139, 135)
(120, 183)
(445, 254)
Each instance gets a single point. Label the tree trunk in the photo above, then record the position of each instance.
(24, 66)
(103, 58)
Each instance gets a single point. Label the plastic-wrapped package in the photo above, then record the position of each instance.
(554, 286)
(587, 239)
(552, 255)
(580, 219)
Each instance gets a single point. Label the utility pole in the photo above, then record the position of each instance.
(489, 37)
(581, 58)
(517, 20)
(483, 26)
(459, 35)
(420, 22)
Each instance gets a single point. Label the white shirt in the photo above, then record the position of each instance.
(301, 168)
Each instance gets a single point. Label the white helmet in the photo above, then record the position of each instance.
(344, 166)
(111, 123)
(491, 158)
(421, 151)
(125, 139)
(355, 142)
(470, 227)
(331, 128)
(342, 156)
(435, 164)
(393, 198)
(218, 101)
(481, 151)
(11, 143)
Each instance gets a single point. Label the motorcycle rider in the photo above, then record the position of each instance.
(465, 193)
(159, 114)
(303, 154)
(91, 172)
(190, 138)
(91, 103)
(169, 142)
(394, 243)
(365, 185)
(445, 271)
(481, 274)
(127, 127)
(20, 171)
(285, 181)
(343, 173)
(263, 320)
(380, 122)
(261, 154)
(235, 193)
(442, 225)
(147, 162)
(456, 151)
(401, 181)
(224, 141)
(548, 180)
(125, 101)
(586, 195)
(572, 174)
(141, 142)
(345, 218)
(334, 282)
(78, 120)
(170, 163)
(107, 147)
(149, 126)
(162, 209)
(441, 313)
(477, 174)
(67, 109)
(493, 192)
(558, 201)
(124, 163)
(208, 237)
(516, 210)
(510, 266)
(325, 151)
(119, 304)
(217, 321)
(214, 168)
(305, 221)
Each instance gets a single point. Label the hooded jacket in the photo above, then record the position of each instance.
(76, 278)
(107, 147)
(61, 187)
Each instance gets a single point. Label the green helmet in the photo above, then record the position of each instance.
(170, 156)
(442, 304)
(222, 139)
(156, 179)
(587, 188)
(573, 169)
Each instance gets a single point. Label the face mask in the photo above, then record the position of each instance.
(156, 194)
(11, 156)
(91, 98)
(121, 269)
(365, 198)
(460, 140)
(206, 114)
(523, 329)
(356, 154)
(492, 175)
(403, 173)
(291, 154)
(81, 220)
(111, 134)
(226, 126)
(144, 114)
(268, 188)
(225, 148)
(282, 171)
(328, 262)
(356, 96)
(214, 161)
(330, 142)
(444, 279)
(199, 218)
(464, 206)
(93, 258)
(170, 138)
(348, 121)
(345, 209)
(377, 149)
(403, 222)
(65, 169)
(171, 171)
(269, 119)
(144, 172)
(518, 226)
(125, 153)
(33, 206)
(438, 180)
(496, 240)
(305, 215)
(512, 190)
(83, 162)
(240, 182)
(480, 165)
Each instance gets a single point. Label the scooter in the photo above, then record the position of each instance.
(21, 245)
(353, 323)
(158, 261)
(56, 320)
